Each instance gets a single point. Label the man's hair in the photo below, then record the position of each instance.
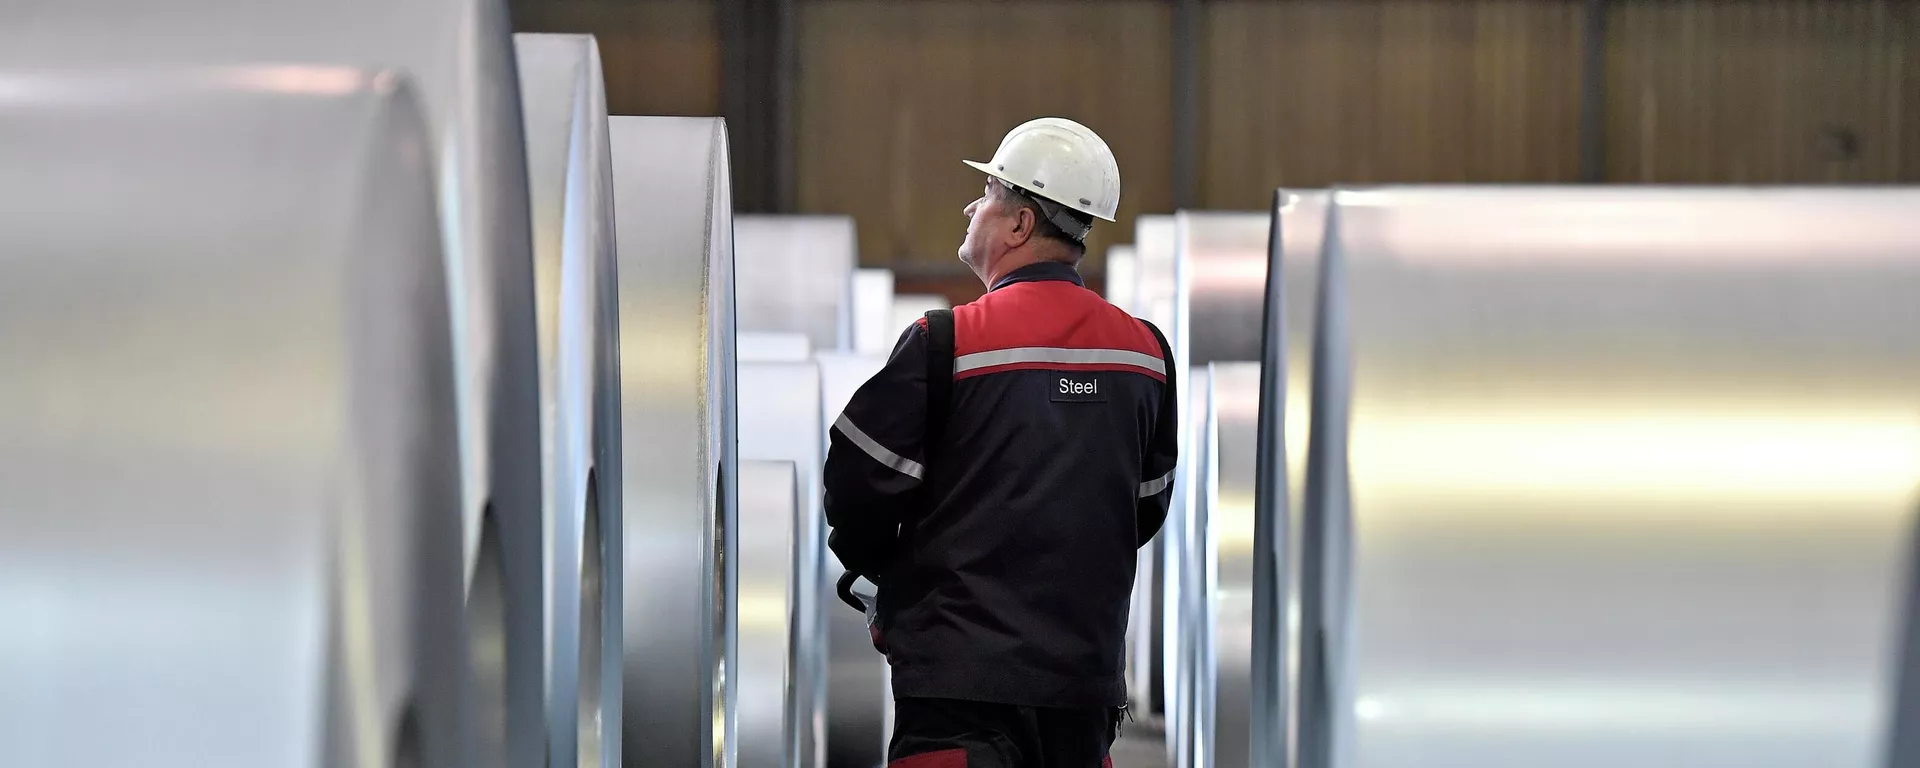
(1043, 226)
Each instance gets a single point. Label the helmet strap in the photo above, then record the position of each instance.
(1060, 215)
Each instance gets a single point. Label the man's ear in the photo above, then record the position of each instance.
(1023, 224)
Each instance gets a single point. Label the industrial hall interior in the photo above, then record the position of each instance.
(960, 383)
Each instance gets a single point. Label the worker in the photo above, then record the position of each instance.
(996, 478)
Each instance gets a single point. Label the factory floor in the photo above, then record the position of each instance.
(1142, 744)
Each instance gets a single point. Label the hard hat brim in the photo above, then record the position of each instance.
(988, 170)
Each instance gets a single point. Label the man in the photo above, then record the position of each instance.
(1001, 520)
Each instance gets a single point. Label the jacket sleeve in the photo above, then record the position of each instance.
(1162, 454)
(875, 460)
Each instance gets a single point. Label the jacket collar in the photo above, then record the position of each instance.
(1045, 270)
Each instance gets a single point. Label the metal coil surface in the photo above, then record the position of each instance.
(1122, 276)
(563, 105)
(782, 568)
(796, 276)
(459, 55)
(1610, 476)
(859, 705)
(797, 286)
(873, 331)
(229, 478)
(1239, 698)
(1155, 283)
(678, 438)
(1222, 285)
(769, 506)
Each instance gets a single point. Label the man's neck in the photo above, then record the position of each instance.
(1008, 264)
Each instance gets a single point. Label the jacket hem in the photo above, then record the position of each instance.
(1004, 684)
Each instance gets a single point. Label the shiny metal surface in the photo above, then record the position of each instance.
(782, 568)
(563, 105)
(769, 620)
(772, 347)
(1903, 737)
(1156, 270)
(1220, 265)
(908, 308)
(873, 328)
(1156, 284)
(678, 437)
(1123, 279)
(1295, 240)
(602, 572)
(796, 275)
(229, 484)
(783, 654)
(1122, 285)
(1222, 285)
(1239, 679)
(460, 56)
(841, 375)
(859, 706)
(1187, 700)
(1630, 471)
(1140, 646)
(1122, 289)
(1227, 480)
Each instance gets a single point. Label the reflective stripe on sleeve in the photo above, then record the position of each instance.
(1155, 486)
(879, 452)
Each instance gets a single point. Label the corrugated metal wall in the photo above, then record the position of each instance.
(1763, 91)
(892, 93)
(1319, 92)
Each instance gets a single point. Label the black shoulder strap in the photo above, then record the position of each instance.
(939, 376)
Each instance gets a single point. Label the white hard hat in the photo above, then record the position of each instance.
(1061, 161)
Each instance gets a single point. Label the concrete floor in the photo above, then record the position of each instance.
(1142, 745)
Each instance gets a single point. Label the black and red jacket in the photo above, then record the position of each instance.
(1005, 552)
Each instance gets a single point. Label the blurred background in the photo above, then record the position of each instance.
(865, 107)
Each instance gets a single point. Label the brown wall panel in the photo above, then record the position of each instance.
(1906, 143)
(661, 57)
(1318, 92)
(1762, 91)
(893, 94)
